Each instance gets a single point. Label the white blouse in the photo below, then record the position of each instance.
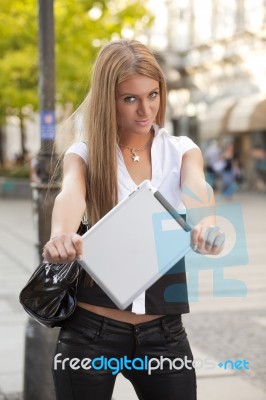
(166, 157)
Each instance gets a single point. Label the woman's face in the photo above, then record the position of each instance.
(137, 104)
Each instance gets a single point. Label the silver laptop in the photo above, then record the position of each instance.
(133, 245)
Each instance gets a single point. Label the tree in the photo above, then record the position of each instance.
(82, 26)
(82, 32)
(18, 63)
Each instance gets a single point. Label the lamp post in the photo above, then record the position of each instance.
(39, 341)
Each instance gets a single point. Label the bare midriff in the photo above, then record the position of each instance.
(119, 315)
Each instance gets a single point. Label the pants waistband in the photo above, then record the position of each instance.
(113, 322)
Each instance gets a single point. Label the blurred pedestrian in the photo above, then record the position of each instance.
(231, 173)
(259, 155)
(213, 162)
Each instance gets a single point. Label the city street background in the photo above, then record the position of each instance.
(218, 328)
(212, 53)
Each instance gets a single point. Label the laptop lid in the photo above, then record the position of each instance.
(133, 245)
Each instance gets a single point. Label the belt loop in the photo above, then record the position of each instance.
(164, 327)
(102, 328)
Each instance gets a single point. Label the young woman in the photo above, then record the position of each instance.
(126, 143)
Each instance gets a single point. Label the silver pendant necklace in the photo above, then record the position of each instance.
(134, 156)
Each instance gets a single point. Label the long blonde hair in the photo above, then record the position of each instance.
(115, 63)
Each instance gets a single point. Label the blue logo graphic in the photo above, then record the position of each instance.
(173, 243)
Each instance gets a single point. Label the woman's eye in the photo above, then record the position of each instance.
(153, 95)
(129, 99)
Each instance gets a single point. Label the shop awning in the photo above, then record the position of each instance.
(249, 114)
(216, 120)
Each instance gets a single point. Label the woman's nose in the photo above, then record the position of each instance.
(143, 108)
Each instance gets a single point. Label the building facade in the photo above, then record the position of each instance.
(217, 49)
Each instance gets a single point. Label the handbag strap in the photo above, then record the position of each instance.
(84, 219)
(84, 225)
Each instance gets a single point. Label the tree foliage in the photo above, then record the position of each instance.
(81, 27)
(18, 50)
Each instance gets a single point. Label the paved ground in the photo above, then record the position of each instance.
(219, 328)
(234, 328)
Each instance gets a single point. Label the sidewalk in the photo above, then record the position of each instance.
(17, 258)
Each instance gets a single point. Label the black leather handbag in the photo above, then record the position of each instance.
(50, 294)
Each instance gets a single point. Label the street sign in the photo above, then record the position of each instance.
(47, 125)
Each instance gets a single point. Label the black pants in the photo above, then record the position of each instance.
(86, 336)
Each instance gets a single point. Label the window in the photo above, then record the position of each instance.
(226, 18)
(254, 14)
(179, 16)
(203, 21)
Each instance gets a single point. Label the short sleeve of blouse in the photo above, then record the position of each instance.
(79, 148)
(185, 144)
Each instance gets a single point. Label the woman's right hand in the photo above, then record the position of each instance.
(63, 248)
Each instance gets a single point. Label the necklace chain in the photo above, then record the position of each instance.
(133, 150)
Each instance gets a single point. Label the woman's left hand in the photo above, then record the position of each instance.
(207, 239)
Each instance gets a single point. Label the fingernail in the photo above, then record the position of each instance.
(195, 247)
(79, 258)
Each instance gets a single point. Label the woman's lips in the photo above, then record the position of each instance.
(143, 122)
